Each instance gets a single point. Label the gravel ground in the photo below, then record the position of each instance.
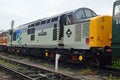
(5, 76)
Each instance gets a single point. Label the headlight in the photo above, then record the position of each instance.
(46, 54)
(80, 57)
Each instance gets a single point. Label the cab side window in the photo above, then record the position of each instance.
(69, 20)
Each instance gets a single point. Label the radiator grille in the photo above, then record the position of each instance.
(85, 30)
(78, 32)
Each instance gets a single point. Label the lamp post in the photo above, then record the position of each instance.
(12, 24)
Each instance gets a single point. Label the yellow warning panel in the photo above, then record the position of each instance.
(100, 31)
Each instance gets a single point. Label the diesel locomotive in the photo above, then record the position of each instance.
(79, 36)
(116, 29)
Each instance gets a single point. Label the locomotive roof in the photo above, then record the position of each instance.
(58, 15)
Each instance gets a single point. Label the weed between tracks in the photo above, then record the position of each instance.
(116, 62)
(110, 77)
(88, 71)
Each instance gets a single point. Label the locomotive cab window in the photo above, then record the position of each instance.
(88, 13)
(69, 20)
(117, 12)
(93, 13)
(80, 14)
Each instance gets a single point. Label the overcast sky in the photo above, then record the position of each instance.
(24, 11)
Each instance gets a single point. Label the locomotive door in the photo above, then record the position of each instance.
(61, 32)
(65, 19)
(62, 20)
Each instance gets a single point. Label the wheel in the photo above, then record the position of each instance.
(96, 62)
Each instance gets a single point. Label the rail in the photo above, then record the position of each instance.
(31, 71)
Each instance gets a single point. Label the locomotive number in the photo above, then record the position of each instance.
(42, 33)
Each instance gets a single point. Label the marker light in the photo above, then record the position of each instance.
(46, 54)
(80, 57)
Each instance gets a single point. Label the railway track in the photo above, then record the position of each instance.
(107, 71)
(30, 71)
(113, 71)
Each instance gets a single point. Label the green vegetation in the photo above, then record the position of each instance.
(88, 71)
(116, 62)
(110, 77)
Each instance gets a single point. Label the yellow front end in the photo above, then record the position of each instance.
(100, 31)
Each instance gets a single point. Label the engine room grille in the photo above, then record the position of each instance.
(85, 30)
(78, 32)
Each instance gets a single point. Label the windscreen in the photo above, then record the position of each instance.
(117, 11)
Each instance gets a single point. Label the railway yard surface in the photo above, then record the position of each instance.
(77, 72)
(5, 76)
